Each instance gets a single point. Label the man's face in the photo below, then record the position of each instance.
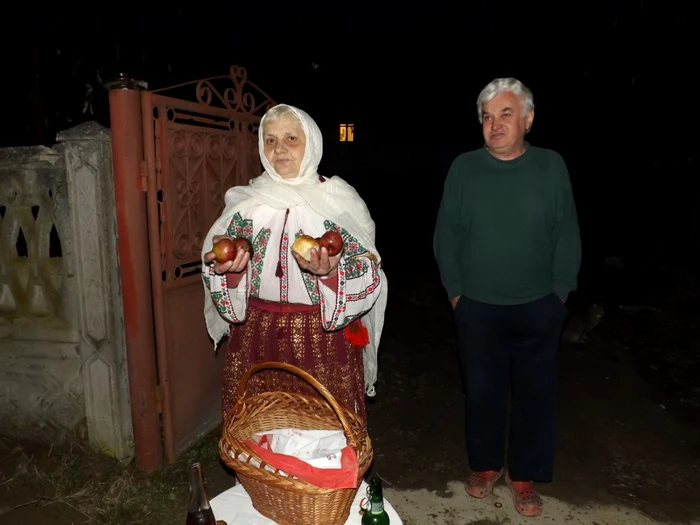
(505, 125)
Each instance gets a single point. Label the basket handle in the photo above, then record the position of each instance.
(349, 434)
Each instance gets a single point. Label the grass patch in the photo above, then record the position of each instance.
(96, 489)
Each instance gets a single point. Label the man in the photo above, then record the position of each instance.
(508, 248)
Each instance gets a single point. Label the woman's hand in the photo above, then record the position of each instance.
(320, 264)
(237, 265)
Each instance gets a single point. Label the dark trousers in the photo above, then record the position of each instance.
(510, 349)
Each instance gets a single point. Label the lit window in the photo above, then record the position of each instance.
(347, 132)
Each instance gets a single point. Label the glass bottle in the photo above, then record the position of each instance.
(198, 510)
(374, 505)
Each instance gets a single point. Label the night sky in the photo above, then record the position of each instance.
(610, 81)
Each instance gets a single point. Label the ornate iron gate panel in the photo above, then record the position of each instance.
(194, 151)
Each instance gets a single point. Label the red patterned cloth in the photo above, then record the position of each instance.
(297, 338)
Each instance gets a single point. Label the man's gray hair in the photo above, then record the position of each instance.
(500, 85)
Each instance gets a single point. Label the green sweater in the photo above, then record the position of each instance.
(507, 231)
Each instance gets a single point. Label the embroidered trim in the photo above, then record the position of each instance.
(310, 281)
(356, 268)
(284, 262)
(340, 301)
(239, 227)
(370, 289)
(220, 294)
(259, 248)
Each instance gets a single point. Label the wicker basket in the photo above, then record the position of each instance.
(288, 500)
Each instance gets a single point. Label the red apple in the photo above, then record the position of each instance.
(226, 249)
(332, 241)
(243, 244)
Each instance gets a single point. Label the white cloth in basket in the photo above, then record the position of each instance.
(235, 508)
(319, 448)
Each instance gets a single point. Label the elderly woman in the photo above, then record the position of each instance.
(324, 314)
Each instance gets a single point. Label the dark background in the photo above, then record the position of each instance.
(611, 80)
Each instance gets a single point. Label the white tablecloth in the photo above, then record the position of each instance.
(235, 508)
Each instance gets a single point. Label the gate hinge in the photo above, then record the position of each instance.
(159, 399)
(144, 176)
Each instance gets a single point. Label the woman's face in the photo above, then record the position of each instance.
(285, 143)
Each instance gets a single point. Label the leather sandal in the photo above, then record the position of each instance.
(527, 500)
(480, 483)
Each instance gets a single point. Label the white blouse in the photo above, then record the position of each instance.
(274, 275)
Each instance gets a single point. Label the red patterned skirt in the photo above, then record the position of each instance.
(293, 334)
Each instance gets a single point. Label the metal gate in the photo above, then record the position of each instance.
(200, 139)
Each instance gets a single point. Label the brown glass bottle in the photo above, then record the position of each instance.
(198, 510)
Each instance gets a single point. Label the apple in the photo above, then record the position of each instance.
(226, 249)
(332, 241)
(304, 244)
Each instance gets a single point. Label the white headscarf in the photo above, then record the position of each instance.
(333, 199)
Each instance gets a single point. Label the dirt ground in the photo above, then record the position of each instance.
(629, 424)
